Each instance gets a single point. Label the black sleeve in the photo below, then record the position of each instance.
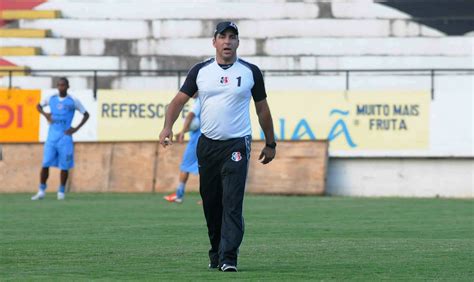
(258, 89)
(189, 86)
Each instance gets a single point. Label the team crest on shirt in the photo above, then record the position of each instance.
(60, 106)
(236, 156)
(224, 80)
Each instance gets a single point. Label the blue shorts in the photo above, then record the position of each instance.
(59, 153)
(190, 162)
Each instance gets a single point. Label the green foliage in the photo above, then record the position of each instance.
(142, 237)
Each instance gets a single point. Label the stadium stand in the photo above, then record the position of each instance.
(173, 35)
(10, 13)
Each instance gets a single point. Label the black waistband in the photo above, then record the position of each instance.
(222, 141)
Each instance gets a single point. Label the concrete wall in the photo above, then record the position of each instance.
(451, 124)
(299, 168)
(401, 177)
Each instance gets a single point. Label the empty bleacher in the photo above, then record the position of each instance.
(174, 35)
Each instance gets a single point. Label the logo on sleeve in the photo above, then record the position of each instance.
(236, 156)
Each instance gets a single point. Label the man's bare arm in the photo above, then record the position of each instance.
(266, 123)
(45, 114)
(73, 130)
(172, 113)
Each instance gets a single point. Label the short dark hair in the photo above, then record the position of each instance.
(64, 80)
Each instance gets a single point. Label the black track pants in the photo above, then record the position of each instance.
(222, 172)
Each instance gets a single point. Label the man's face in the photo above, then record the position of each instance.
(226, 44)
(62, 86)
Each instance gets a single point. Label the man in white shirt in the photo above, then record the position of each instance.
(225, 85)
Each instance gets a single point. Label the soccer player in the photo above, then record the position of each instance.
(59, 147)
(225, 85)
(189, 164)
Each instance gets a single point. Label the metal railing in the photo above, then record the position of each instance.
(179, 74)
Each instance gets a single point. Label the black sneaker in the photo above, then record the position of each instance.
(228, 268)
(213, 266)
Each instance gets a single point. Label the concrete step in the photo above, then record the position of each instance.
(48, 46)
(364, 10)
(29, 14)
(60, 64)
(261, 29)
(90, 63)
(19, 51)
(159, 9)
(399, 46)
(199, 47)
(322, 62)
(334, 28)
(104, 29)
(15, 32)
(130, 10)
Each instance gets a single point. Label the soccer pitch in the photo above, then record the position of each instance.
(142, 237)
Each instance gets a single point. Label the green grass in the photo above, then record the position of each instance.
(142, 237)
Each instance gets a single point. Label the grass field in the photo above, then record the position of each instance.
(142, 237)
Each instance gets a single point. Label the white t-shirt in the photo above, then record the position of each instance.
(224, 93)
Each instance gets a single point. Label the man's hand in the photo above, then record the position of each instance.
(48, 117)
(267, 155)
(180, 137)
(166, 137)
(70, 131)
(174, 108)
